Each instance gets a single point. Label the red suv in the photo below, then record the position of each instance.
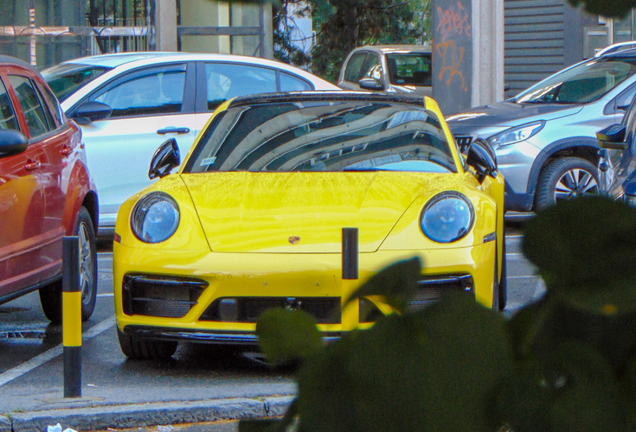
(46, 193)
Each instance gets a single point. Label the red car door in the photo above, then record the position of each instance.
(54, 142)
(21, 204)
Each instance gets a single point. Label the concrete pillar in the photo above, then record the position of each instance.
(488, 52)
(166, 25)
(468, 53)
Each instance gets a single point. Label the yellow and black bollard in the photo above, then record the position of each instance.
(71, 318)
(350, 314)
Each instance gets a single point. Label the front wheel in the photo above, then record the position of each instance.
(564, 179)
(51, 295)
(145, 349)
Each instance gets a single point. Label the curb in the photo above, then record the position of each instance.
(144, 415)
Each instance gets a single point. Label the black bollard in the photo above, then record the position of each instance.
(350, 314)
(71, 318)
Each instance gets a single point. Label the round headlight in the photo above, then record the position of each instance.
(447, 217)
(155, 217)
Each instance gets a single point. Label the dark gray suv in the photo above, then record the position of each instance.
(545, 137)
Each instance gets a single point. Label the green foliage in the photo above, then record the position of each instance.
(564, 363)
(607, 8)
(284, 14)
(288, 336)
(343, 25)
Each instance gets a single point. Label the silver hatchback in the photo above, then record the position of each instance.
(545, 137)
(388, 68)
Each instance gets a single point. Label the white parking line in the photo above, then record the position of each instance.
(105, 295)
(35, 362)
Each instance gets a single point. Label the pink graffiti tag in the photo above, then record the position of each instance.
(450, 62)
(453, 23)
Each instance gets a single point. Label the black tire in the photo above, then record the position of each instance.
(51, 295)
(565, 178)
(145, 349)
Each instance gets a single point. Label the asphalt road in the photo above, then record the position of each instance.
(30, 348)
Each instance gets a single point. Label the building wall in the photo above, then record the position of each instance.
(541, 38)
(50, 50)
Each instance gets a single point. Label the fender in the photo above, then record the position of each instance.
(557, 146)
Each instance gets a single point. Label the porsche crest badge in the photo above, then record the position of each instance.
(293, 239)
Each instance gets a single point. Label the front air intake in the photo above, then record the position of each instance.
(160, 296)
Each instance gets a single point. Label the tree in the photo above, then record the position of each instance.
(607, 8)
(346, 24)
(343, 25)
(283, 22)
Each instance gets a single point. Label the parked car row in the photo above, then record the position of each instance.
(277, 162)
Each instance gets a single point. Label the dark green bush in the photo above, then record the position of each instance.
(564, 363)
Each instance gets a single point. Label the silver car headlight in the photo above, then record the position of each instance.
(516, 134)
(447, 217)
(155, 217)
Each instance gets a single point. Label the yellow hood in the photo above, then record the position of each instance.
(302, 212)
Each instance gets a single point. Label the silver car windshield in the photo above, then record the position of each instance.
(65, 79)
(323, 136)
(583, 83)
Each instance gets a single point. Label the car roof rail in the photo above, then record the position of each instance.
(620, 46)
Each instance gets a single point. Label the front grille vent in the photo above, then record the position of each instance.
(326, 310)
(432, 288)
(160, 296)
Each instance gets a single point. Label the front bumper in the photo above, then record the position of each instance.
(275, 276)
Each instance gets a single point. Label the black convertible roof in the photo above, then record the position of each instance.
(326, 96)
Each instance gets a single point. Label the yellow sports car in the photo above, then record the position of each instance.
(254, 218)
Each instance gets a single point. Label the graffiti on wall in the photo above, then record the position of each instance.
(453, 24)
(454, 21)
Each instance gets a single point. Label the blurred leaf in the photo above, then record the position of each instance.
(524, 403)
(588, 405)
(527, 325)
(607, 8)
(627, 384)
(585, 251)
(432, 370)
(396, 284)
(288, 336)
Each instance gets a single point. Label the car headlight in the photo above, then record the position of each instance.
(447, 217)
(516, 134)
(155, 217)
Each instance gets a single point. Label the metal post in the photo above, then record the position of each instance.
(71, 318)
(350, 314)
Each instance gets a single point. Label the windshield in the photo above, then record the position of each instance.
(584, 83)
(65, 79)
(409, 69)
(323, 136)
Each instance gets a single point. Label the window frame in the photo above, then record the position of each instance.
(202, 82)
(44, 106)
(187, 106)
(8, 91)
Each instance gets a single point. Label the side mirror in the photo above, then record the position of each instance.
(91, 111)
(371, 84)
(612, 137)
(482, 158)
(12, 142)
(165, 159)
